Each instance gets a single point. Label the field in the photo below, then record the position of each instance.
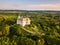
(45, 28)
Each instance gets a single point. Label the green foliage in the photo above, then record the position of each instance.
(45, 24)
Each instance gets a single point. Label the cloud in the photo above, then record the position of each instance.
(31, 7)
(9, 6)
(45, 7)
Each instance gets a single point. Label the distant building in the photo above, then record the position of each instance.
(23, 21)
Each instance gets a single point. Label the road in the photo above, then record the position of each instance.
(31, 33)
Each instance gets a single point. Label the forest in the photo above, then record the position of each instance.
(45, 25)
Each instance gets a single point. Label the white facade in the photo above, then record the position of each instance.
(23, 21)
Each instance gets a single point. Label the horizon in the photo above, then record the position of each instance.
(25, 10)
(30, 5)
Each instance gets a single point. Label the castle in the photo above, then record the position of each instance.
(23, 21)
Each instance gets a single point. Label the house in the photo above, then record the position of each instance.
(23, 21)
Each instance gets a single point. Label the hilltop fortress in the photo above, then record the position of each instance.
(23, 21)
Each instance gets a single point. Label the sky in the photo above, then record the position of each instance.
(30, 4)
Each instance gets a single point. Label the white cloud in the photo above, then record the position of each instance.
(31, 7)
